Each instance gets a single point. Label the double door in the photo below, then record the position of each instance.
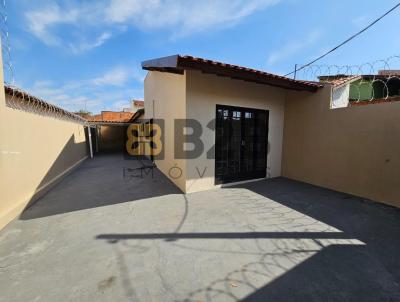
(241, 143)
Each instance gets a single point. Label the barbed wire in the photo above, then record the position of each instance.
(8, 67)
(379, 77)
(21, 100)
(389, 66)
(16, 98)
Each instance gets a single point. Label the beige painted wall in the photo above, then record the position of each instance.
(35, 151)
(354, 150)
(167, 93)
(204, 92)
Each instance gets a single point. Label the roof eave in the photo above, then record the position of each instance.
(243, 74)
(166, 64)
(177, 64)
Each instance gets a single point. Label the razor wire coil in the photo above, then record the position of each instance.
(377, 75)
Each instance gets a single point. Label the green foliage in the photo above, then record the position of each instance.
(83, 112)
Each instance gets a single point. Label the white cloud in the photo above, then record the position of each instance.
(77, 48)
(183, 17)
(118, 76)
(64, 97)
(120, 105)
(45, 23)
(293, 47)
(138, 75)
(106, 92)
(115, 77)
(179, 17)
(40, 21)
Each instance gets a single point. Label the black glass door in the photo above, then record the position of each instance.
(240, 144)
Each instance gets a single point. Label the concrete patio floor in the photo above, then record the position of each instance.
(98, 236)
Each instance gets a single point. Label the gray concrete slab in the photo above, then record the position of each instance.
(98, 236)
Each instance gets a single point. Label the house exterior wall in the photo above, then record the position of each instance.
(204, 92)
(367, 89)
(353, 150)
(136, 105)
(361, 90)
(35, 151)
(165, 98)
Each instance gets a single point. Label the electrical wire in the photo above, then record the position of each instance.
(346, 41)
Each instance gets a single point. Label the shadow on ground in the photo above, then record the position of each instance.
(274, 240)
(326, 246)
(104, 180)
(375, 224)
(336, 273)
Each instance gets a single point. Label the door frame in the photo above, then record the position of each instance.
(258, 172)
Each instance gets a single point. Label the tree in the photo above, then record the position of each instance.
(83, 112)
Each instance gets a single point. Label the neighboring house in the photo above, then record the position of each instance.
(137, 105)
(341, 90)
(109, 129)
(111, 116)
(247, 106)
(359, 88)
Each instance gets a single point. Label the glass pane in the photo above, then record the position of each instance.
(235, 143)
(241, 143)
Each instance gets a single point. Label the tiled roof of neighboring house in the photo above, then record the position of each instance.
(339, 80)
(389, 72)
(112, 117)
(342, 79)
(94, 118)
(179, 63)
(138, 103)
(375, 101)
(30, 102)
(116, 116)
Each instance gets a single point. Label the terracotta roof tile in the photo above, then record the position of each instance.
(310, 83)
(113, 117)
(339, 80)
(179, 63)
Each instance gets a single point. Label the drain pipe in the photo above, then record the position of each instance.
(90, 142)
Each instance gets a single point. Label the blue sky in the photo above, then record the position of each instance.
(77, 53)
